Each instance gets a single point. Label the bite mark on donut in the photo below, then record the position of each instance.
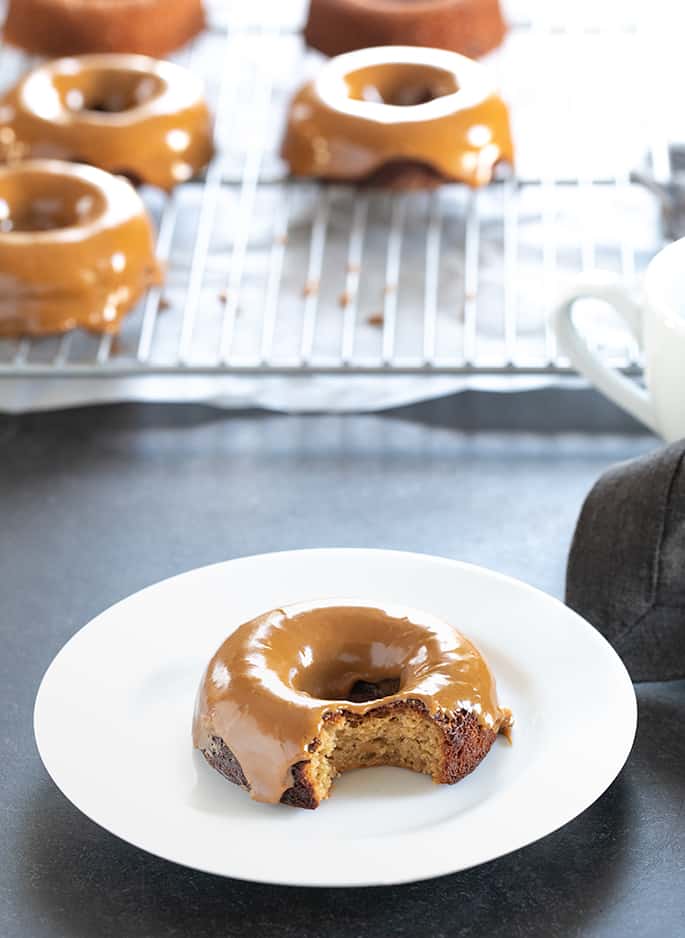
(446, 747)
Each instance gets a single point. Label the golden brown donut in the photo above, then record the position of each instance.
(67, 27)
(369, 111)
(472, 27)
(127, 114)
(76, 248)
(302, 693)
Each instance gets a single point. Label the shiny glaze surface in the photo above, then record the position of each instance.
(76, 248)
(268, 688)
(398, 103)
(124, 113)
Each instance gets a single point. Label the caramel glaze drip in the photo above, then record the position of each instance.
(76, 248)
(127, 114)
(270, 685)
(374, 107)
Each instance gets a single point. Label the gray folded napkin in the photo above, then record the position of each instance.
(626, 568)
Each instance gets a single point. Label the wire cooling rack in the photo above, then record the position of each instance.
(270, 276)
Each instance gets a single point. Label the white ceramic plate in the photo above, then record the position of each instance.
(113, 717)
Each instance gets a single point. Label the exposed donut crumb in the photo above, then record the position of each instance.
(445, 747)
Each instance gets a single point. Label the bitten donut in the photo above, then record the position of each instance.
(76, 248)
(298, 695)
(67, 27)
(472, 27)
(127, 114)
(399, 114)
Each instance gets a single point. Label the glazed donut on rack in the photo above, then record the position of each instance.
(304, 692)
(127, 114)
(401, 116)
(68, 27)
(472, 27)
(76, 248)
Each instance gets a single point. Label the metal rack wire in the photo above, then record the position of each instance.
(270, 276)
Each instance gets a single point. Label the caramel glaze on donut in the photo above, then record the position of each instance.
(272, 685)
(369, 110)
(76, 248)
(68, 27)
(124, 113)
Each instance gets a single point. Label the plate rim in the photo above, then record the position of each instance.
(628, 734)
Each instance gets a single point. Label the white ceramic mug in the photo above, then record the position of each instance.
(657, 320)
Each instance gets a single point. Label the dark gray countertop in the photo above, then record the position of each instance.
(95, 504)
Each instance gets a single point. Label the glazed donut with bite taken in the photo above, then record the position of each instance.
(302, 693)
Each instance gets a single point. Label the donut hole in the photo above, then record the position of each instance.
(107, 91)
(43, 202)
(346, 685)
(361, 691)
(400, 85)
(351, 671)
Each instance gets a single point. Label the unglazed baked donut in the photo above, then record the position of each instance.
(67, 27)
(298, 695)
(76, 248)
(124, 113)
(472, 27)
(422, 109)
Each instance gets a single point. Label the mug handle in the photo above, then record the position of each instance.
(624, 392)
